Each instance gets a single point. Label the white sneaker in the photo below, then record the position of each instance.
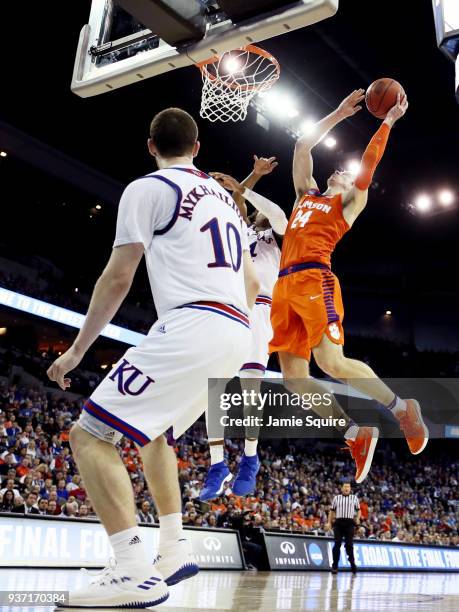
(176, 563)
(113, 588)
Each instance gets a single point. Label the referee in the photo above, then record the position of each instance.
(341, 516)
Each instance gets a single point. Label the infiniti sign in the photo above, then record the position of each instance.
(212, 543)
(288, 548)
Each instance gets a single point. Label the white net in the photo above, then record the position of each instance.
(232, 79)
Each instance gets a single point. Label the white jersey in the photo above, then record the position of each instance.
(266, 258)
(193, 235)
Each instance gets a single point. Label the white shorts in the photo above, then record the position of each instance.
(262, 332)
(163, 382)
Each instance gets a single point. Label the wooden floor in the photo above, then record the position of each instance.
(249, 591)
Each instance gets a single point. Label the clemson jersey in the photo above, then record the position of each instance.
(315, 227)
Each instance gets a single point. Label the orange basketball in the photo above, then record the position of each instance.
(381, 96)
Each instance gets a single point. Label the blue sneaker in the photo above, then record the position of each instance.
(246, 478)
(214, 485)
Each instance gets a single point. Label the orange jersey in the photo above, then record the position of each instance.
(315, 227)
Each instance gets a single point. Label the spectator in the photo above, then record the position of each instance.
(31, 504)
(10, 486)
(83, 511)
(144, 515)
(7, 503)
(53, 509)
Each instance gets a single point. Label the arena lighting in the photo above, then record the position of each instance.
(3, 154)
(99, 207)
(353, 166)
(277, 103)
(270, 100)
(3, 331)
(308, 127)
(292, 113)
(232, 65)
(388, 313)
(446, 197)
(104, 366)
(285, 106)
(32, 306)
(423, 202)
(330, 142)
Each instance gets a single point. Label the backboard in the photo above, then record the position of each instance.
(446, 14)
(116, 49)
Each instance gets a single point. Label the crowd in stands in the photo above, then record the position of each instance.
(296, 483)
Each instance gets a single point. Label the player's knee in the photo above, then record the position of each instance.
(293, 371)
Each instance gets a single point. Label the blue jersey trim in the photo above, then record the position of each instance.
(178, 191)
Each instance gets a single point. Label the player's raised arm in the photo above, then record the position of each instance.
(273, 212)
(303, 179)
(356, 200)
(261, 167)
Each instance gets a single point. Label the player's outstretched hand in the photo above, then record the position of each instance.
(264, 165)
(351, 105)
(398, 110)
(227, 181)
(65, 363)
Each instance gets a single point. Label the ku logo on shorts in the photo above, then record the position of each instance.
(125, 387)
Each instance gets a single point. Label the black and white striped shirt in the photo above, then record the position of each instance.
(345, 506)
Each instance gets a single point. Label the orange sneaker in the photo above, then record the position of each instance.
(414, 428)
(362, 450)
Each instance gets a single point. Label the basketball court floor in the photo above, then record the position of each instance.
(266, 591)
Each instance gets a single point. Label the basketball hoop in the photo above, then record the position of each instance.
(232, 79)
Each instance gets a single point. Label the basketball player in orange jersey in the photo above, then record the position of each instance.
(307, 309)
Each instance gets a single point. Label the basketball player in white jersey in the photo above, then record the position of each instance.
(203, 283)
(265, 228)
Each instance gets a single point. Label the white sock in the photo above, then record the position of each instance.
(351, 432)
(398, 405)
(216, 453)
(129, 551)
(170, 529)
(250, 448)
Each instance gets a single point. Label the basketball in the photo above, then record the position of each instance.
(381, 96)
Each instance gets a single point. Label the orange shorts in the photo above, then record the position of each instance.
(306, 305)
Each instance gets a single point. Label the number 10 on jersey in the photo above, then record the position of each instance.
(219, 249)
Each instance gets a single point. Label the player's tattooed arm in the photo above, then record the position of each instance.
(274, 213)
(252, 284)
(303, 179)
(109, 292)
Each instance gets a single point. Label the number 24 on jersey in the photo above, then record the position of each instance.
(301, 218)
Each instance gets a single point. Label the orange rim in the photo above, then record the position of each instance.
(251, 49)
